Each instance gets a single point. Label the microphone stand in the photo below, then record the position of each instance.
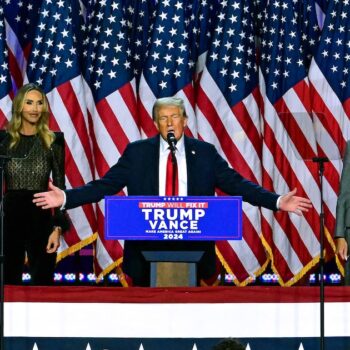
(320, 161)
(172, 145)
(3, 160)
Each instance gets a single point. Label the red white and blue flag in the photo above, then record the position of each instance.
(256, 77)
(228, 117)
(54, 64)
(110, 89)
(5, 80)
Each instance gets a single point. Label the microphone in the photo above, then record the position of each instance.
(171, 141)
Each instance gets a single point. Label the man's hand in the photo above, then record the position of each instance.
(342, 248)
(291, 203)
(50, 199)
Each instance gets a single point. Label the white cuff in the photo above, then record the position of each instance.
(278, 202)
(64, 200)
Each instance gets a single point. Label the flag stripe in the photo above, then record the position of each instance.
(68, 95)
(233, 155)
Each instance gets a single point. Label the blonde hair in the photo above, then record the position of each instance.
(46, 135)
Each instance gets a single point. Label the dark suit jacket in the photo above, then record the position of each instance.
(138, 170)
(343, 208)
(343, 203)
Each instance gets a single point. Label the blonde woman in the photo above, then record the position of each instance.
(36, 154)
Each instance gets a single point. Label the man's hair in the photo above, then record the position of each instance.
(229, 344)
(168, 101)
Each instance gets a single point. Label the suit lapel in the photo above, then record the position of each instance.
(191, 158)
(153, 163)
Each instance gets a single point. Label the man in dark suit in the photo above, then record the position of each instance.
(342, 230)
(142, 170)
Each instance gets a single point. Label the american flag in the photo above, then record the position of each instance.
(330, 88)
(228, 117)
(168, 68)
(21, 18)
(111, 96)
(53, 63)
(329, 75)
(5, 80)
(287, 38)
(140, 15)
(203, 14)
(252, 96)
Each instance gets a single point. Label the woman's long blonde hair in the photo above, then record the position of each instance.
(15, 124)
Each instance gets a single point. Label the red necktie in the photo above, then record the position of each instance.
(172, 181)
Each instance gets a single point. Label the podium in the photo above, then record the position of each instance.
(181, 264)
(173, 219)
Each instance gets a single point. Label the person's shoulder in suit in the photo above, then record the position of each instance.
(144, 144)
(149, 140)
(199, 144)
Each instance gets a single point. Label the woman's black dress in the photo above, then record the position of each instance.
(26, 226)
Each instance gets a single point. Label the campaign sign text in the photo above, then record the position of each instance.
(173, 218)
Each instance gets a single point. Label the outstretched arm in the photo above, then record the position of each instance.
(49, 199)
(294, 204)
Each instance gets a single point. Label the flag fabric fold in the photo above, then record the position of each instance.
(330, 89)
(110, 88)
(168, 68)
(5, 80)
(228, 117)
(53, 64)
(289, 138)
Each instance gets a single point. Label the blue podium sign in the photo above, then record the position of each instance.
(173, 218)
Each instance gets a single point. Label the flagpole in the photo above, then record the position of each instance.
(3, 159)
(320, 161)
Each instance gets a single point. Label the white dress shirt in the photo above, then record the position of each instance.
(181, 165)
